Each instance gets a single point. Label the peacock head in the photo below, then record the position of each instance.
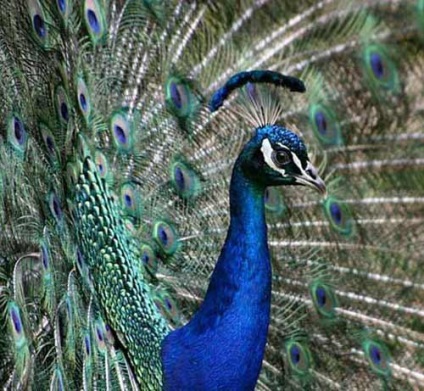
(276, 156)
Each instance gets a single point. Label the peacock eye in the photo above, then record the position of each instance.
(281, 157)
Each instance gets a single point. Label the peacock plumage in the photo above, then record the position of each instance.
(157, 229)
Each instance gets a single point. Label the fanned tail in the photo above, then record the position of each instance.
(106, 103)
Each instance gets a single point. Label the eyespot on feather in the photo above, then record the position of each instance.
(179, 97)
(323, 299)
(83, 98)
(149, 258)
(95, 20)
(17, 136)
(131, 200)
(377, 356)
(63, 7)
(184, 179)
(299, 357)
(49, 143)
(87, 345)
(121, 129)
(99, 332)
(167, 306)
(166, 236)
(55, 207)
(102, 165)
(62, 105)
(380, 69)
(325, 125)
(339, 216)
(39, 25)
(16, 324)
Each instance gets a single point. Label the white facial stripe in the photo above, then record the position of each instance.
(304, 178)
(298, 163)
(267, 151)
(308, 176)
(283, 146)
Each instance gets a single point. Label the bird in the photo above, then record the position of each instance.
(211, 195)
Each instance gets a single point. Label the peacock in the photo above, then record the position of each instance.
(211, 195)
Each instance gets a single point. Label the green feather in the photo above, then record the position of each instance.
(184, 179)
(377, 356)
(380, 69)
(95, 20)
(16, 134)
(339, 216)
(149, 258)
(39, 23)
(323, 298)
(20, 342)
(166, 237)
(299, 358)
(131, 200)
(122, 131)
(325, 124)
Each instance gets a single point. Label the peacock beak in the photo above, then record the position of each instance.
(310, 178)
(319, 185)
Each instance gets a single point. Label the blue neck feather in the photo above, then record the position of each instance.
(222, 347)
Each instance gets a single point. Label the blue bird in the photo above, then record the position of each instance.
(223, 345)
(160, 227)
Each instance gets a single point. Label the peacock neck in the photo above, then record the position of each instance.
(243, 271)
(222, 347)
